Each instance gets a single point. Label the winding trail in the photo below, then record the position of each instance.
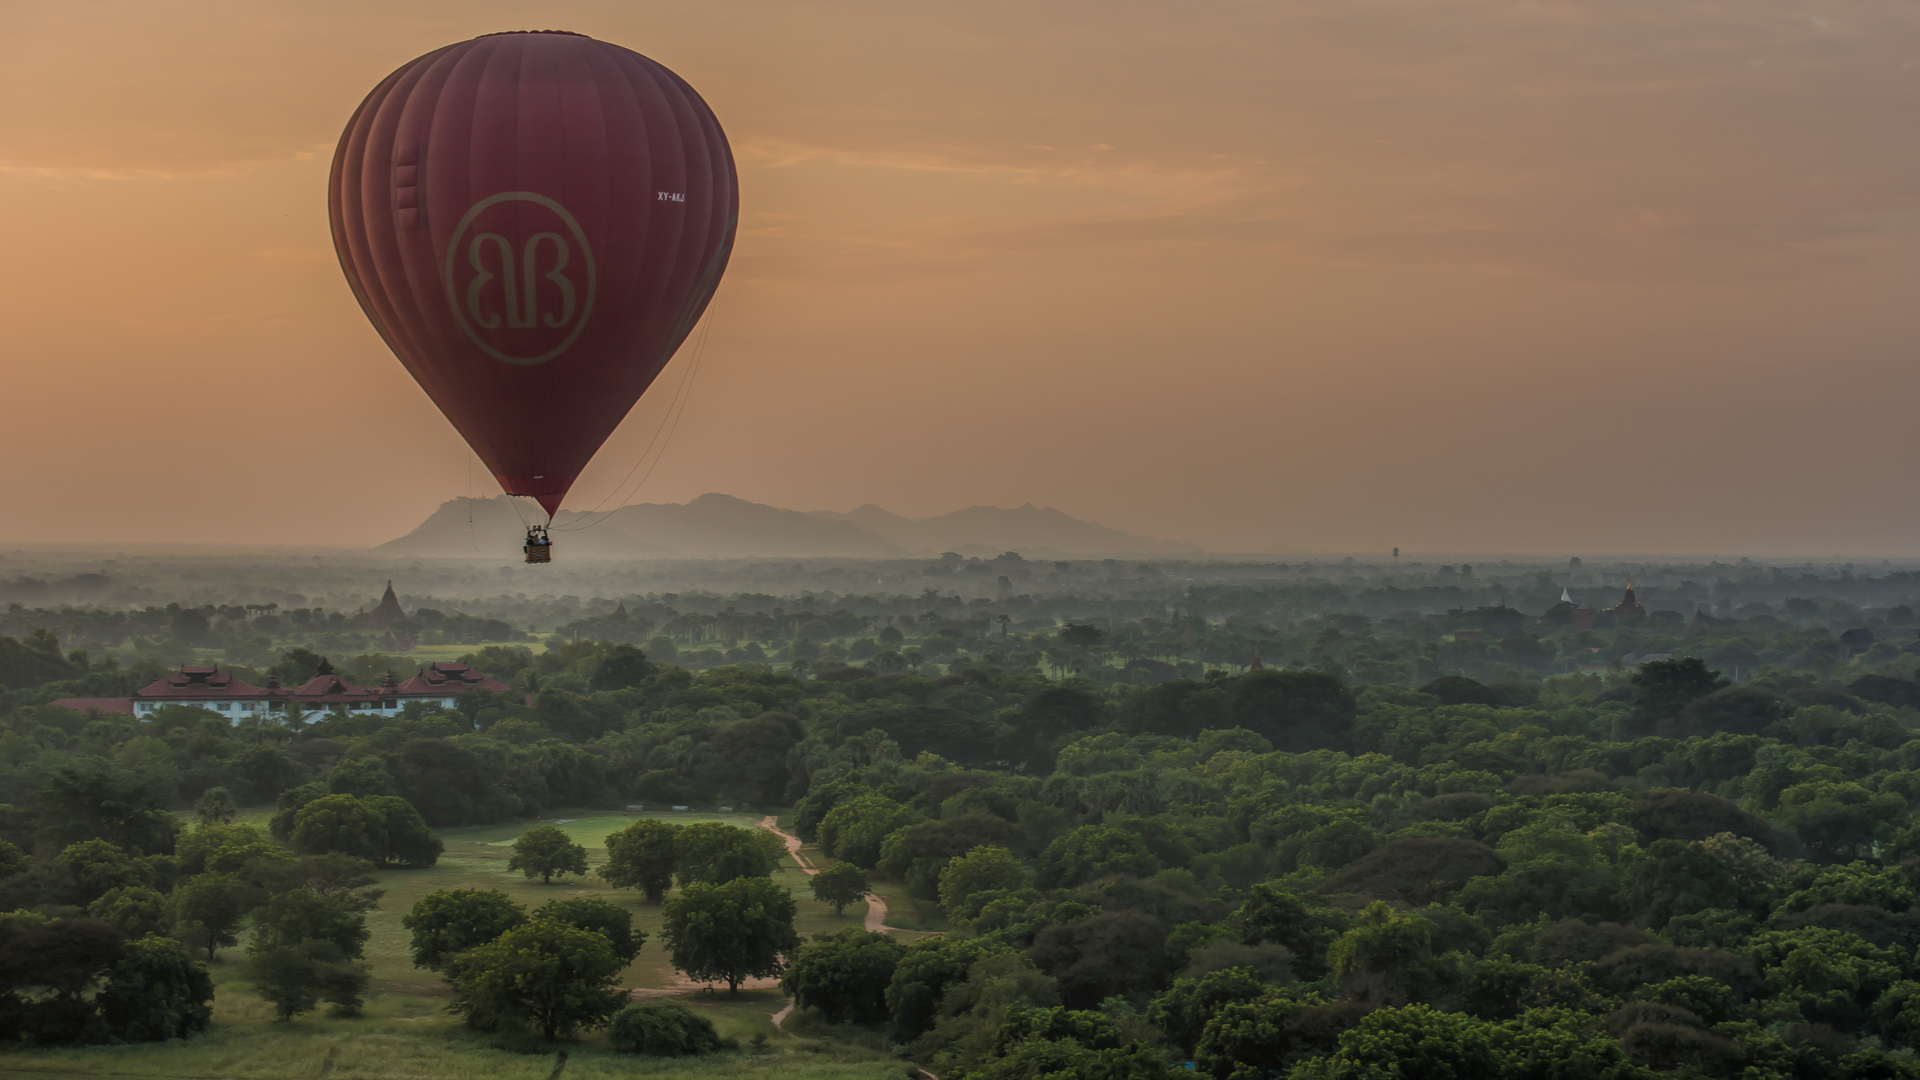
(877, 915)
(772, 825)
(876, 921)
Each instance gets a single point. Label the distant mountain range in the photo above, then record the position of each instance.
(723, 527)
(990, 530)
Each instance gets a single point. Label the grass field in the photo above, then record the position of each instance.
(407, 1032)
(427, 654)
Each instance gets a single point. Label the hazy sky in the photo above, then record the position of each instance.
(1628, 275)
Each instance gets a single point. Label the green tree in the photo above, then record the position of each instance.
(1093, 851)
(1251, 1038)
(622, 666)
(156, 991)
(548, 974)
(841, 884)
(546, 850)
(662, 1028)
(1838, 821)
(640, 856)
(1298, 711)
(1859, 884)
(47, 966)
(96, 799)
(1415, 870)
(1897, 1013)
(928, 969)
(855, 828)
(356, 776)
(225, 849)
(599, 916)
(1673, 878)
(1271, 914)
(134, 910)
(1561, 1044)
(1553, 869)
(731, 932)
(1677, 814)
(968, 881)
(448, 922)
(712, 852)
(1821, 976)
(749, 757)
(208, 909)
(1414, 1040)
(1378, 958)
(304, 915)
(845, 976)
(97, 867)
(289, 803)
(383, 829)
(1112, 954)
(1179, 707)
(1183, 1009)
(915, 855)
(1662, 690)
(216, 806)
(305, 949)
(809, 812)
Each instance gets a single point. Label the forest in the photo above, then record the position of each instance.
(1315, 820)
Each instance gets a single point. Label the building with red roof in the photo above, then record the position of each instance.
(438, 684)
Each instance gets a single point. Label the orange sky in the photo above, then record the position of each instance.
(1632, 275)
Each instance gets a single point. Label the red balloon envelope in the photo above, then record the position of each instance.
(534, 222)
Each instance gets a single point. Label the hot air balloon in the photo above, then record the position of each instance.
(534, 222)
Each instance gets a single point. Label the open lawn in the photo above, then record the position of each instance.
(427, 654)
(477, 858)
(384, 1047)
(406, 1031)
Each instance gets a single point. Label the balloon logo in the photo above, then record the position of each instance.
(520, 277)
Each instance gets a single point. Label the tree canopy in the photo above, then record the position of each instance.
(733, 931)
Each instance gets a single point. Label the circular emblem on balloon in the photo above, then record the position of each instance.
(520, 277)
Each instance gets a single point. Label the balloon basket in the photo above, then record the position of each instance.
(539, 549)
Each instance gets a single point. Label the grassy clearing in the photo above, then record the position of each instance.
(407, 1032)
(477, 858)
(427, 654)
(370, 1049)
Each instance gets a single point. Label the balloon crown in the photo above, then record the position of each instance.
(504, 33)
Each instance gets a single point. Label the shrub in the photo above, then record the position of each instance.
(662, 1028)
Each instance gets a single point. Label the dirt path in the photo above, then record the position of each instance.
(780, 1019)
(793, 844)
(876, 907)
(877, 915)
(876, 921)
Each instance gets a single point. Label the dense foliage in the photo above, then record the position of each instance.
(1425, 833)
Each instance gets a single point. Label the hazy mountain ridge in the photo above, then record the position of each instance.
(716, 526)
(989, 530)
